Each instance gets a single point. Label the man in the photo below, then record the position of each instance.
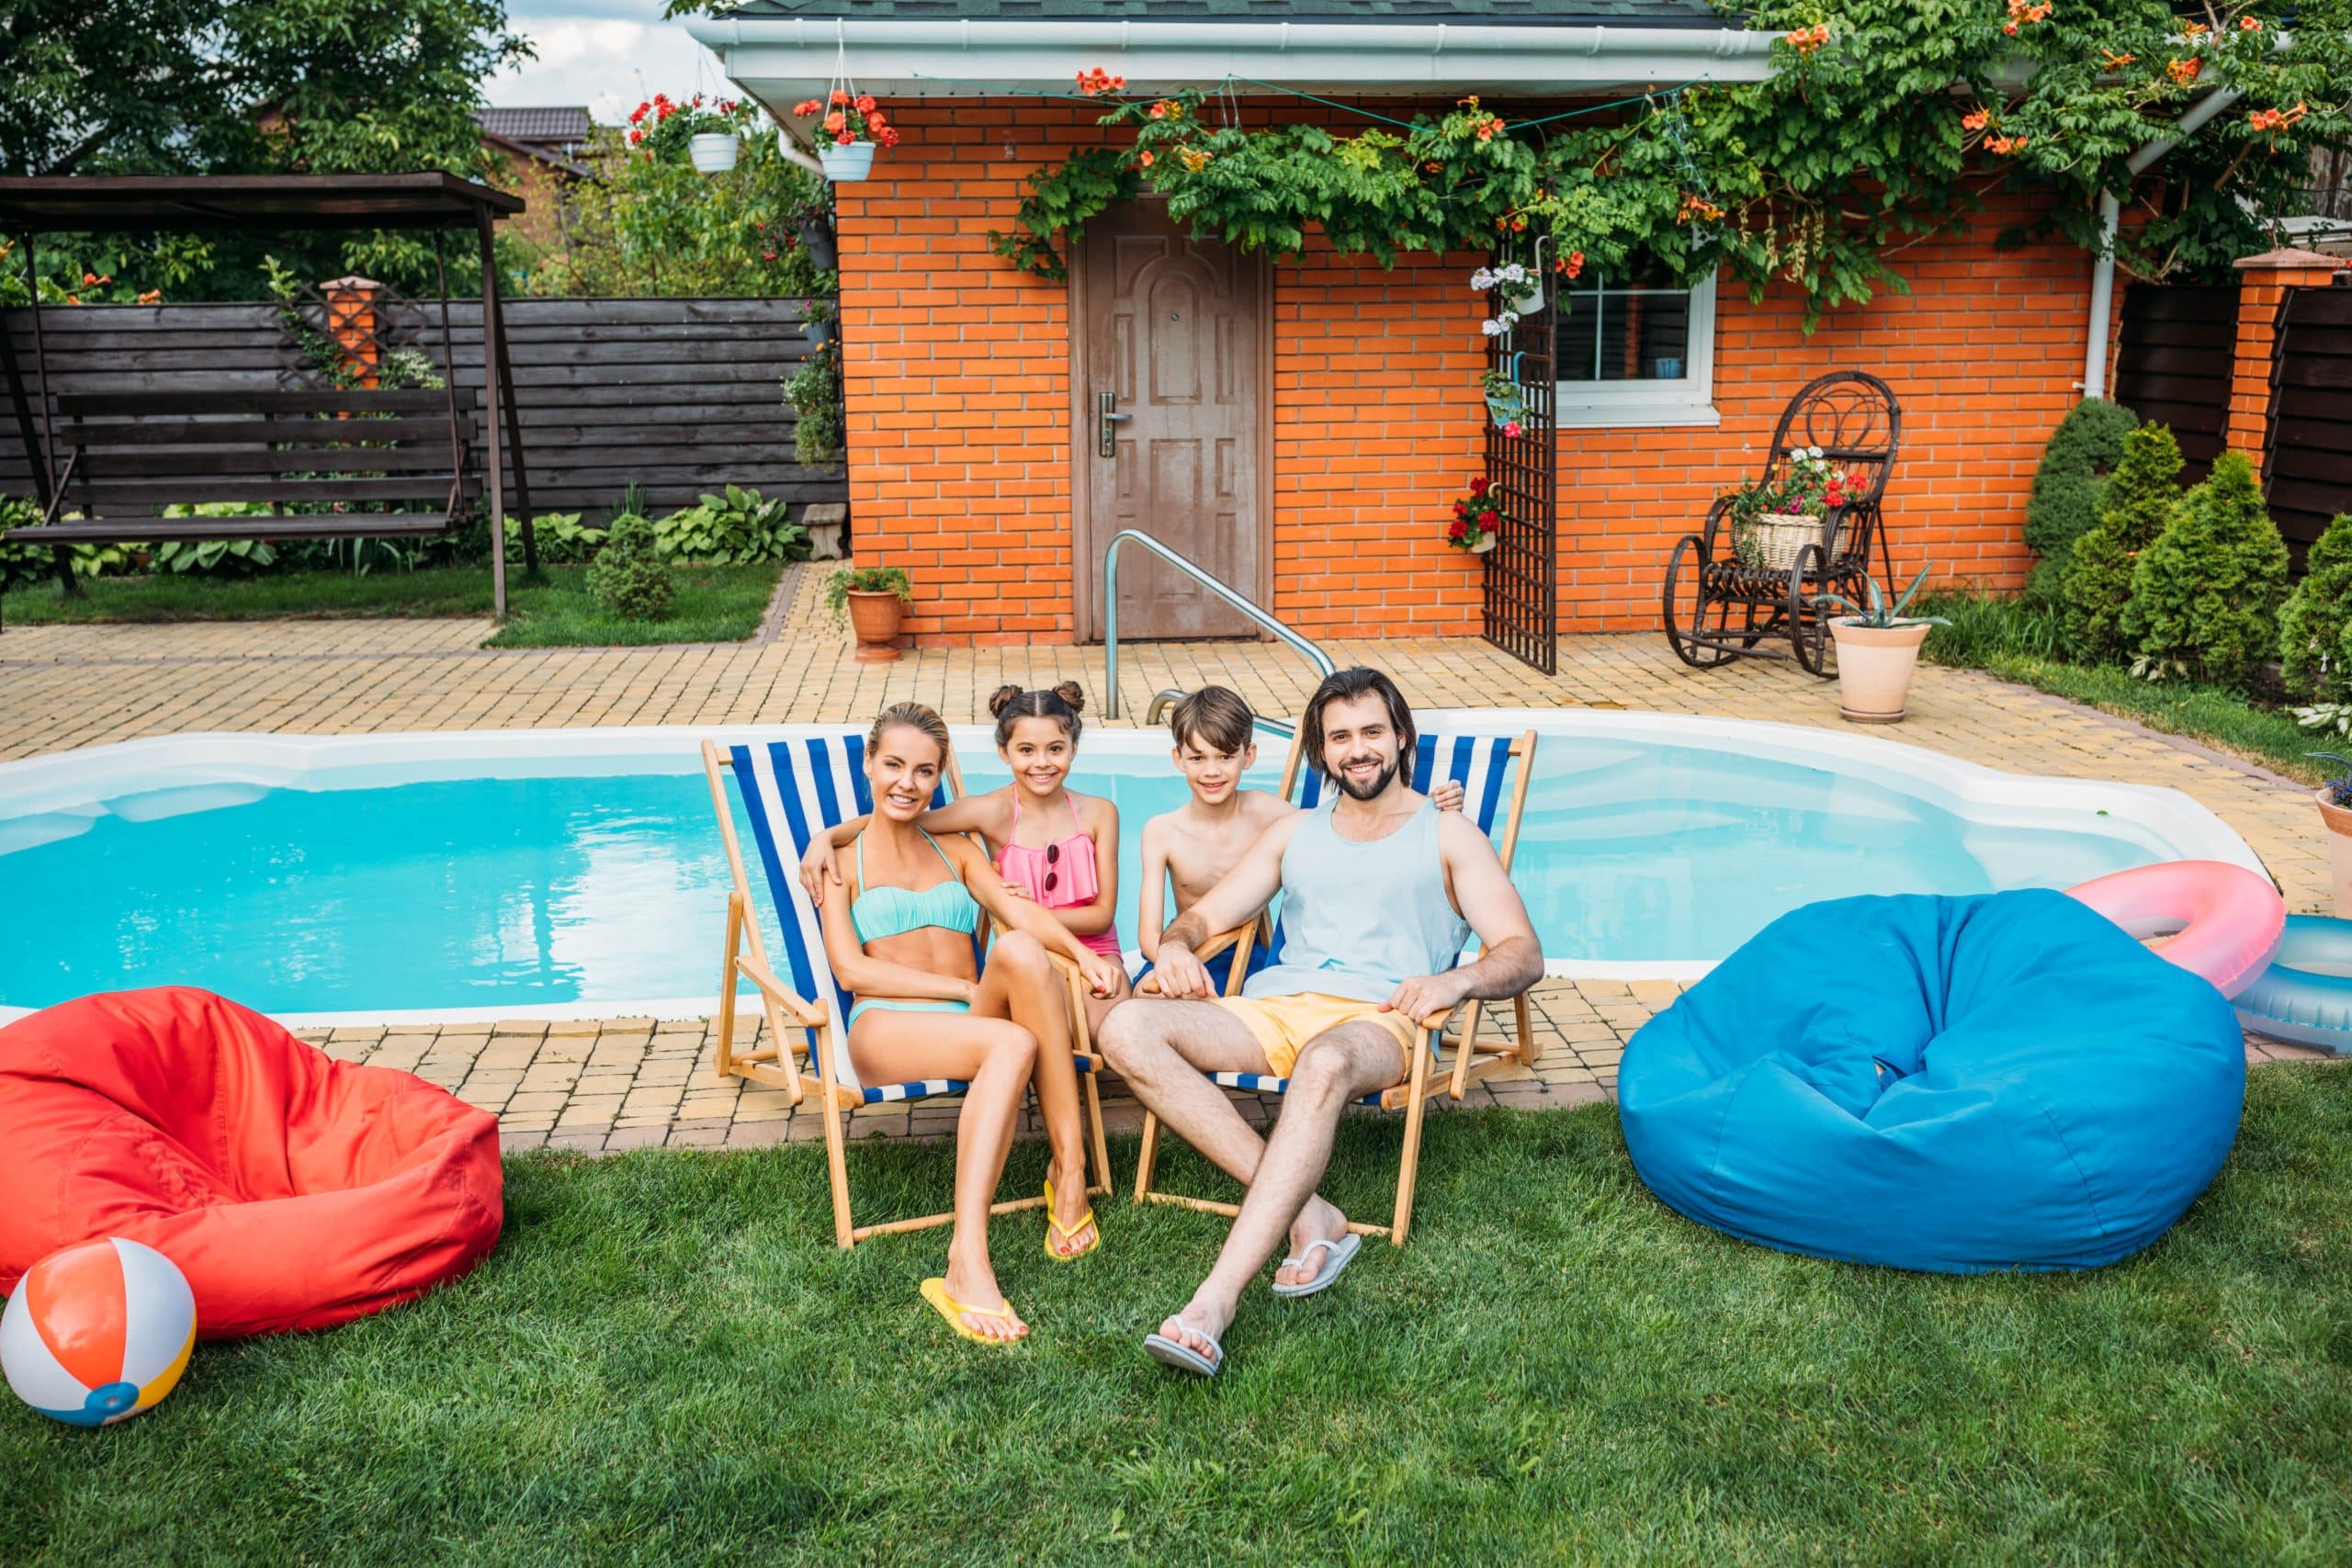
(1375, 891)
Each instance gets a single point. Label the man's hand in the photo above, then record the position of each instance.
(1181, 975)
(818, 867)
(1102, 975)
(1447, 795)
(1426, 996)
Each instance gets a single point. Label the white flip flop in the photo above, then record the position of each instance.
(1337, 1256)
(1183, 1357)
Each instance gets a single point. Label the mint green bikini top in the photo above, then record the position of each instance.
(878, 912)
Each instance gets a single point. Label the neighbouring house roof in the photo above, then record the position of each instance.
(780, 51)
(1467, 12)
(559, 128)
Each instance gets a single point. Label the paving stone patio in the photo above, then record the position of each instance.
(635, 1083)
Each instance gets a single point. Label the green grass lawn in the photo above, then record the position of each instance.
(667, 1360)
(715, 603)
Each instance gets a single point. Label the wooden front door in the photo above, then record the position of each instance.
(1171, 328)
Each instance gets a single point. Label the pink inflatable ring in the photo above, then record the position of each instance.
(2225, 921)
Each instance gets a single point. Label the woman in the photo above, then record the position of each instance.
(898, 923)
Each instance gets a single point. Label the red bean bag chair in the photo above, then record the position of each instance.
(293, 1191)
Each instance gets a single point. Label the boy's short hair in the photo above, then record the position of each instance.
(1215, 717)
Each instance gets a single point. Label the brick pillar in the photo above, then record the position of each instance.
(2263, 282)
(351, 322)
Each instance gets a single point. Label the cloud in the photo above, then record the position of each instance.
(600, 55)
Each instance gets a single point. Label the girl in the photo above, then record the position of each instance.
(1059, 851)
(897, 918)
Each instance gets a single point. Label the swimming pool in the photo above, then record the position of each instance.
(579, 873)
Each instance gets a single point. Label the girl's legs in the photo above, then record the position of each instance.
(1020, 983)
(995, 1057)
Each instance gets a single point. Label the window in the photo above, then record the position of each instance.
(1635, 348)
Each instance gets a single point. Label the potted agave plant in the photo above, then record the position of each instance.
(1878, 650)
(852, 126)
(875, 598)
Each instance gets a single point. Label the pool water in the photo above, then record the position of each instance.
(552, 892)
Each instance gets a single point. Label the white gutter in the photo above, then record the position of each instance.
(773, 57)
(2110, 217)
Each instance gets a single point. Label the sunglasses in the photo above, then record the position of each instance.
(1053, 859)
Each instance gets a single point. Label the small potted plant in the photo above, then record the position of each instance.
(852, 126)
(821, 323)
(1476, 519)
(1504, 404)
(2334, 799)
(876, 598)
(1772, 521)
(709, 134)
(1878, 649)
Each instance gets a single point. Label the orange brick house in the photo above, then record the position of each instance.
(1301, 427)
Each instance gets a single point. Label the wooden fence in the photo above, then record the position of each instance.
(2308, 473)
(680, 396)
(2173, 361)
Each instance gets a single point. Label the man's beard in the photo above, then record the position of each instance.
(1372, 790)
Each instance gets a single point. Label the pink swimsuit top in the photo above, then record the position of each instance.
(1070, 863)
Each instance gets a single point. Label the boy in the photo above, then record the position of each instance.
(1193, 846)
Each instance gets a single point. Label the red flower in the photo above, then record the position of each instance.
(1457, 530)
(1462, 509)
(1834, 496)
(634, 136)
(1145, 159)
(1480, 485)
(843, 140)
(1488, 519)
(866, 103)
(834, 122)
(768, 256)
(890, 137)
(639, 113)
(840, 97)
(809, 105)
(727, 105)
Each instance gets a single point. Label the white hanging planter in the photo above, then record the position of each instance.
(843, 164)
(714, 152)
(1527, 304)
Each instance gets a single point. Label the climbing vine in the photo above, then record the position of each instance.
(1885, 123)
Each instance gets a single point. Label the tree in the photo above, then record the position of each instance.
(250, 86)
(2141, 500)
(2069, 485)
(2314, 652)
(2205, 595)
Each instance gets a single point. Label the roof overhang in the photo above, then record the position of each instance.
(779, 60)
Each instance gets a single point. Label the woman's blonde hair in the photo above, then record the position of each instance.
(913, 716)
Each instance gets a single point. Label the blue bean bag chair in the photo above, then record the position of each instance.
(2004, 1081)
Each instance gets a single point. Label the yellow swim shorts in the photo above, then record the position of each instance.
(1284, 1024)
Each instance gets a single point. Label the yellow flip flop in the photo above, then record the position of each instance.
(934, 1290)
(1055, 1227)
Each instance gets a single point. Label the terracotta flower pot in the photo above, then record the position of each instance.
(875, 618)
(2338, 820)
(1874, 666)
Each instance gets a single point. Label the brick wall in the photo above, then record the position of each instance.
(958, 399)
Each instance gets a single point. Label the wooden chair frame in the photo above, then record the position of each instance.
(782, 1063)
(1411, 1094)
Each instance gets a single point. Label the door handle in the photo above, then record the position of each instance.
(1106, 439)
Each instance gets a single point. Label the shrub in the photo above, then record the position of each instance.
(2067, 486)
(628, 576)
(737, 528)
(2205, 595)
(2314, 649)
(817, 433)
(2143, 497)
(562, 540)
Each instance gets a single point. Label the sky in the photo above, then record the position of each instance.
(608, 54)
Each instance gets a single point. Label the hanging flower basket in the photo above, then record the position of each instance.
(714, 152)
(843, 164)
(1476, 519)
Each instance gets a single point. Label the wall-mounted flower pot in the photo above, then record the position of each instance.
(875, 618)
(854, 161)
(817, 239)
(1875, 669)
(821, 332)
(1527, 304)
(1505, 410)
(1482, 546)
(713, 152)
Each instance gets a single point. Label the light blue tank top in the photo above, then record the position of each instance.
(1357, 918)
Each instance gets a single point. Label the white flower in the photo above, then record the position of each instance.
(1482, 280)
(1511, 272)
(1814, 453)
(1493, 328)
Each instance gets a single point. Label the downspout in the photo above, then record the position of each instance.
(2111, 217)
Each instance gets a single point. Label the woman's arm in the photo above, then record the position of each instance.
(1103, 977)
(864, 976)
(1153, 908)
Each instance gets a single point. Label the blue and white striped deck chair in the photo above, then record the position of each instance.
(793, 790)
(1479, 764)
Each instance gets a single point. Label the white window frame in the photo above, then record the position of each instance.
(1687, 400)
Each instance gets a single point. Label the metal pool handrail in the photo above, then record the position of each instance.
(1313, 653)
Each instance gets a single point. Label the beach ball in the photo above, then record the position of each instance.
(97, 1332)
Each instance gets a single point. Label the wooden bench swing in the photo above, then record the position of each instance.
(330, 463)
